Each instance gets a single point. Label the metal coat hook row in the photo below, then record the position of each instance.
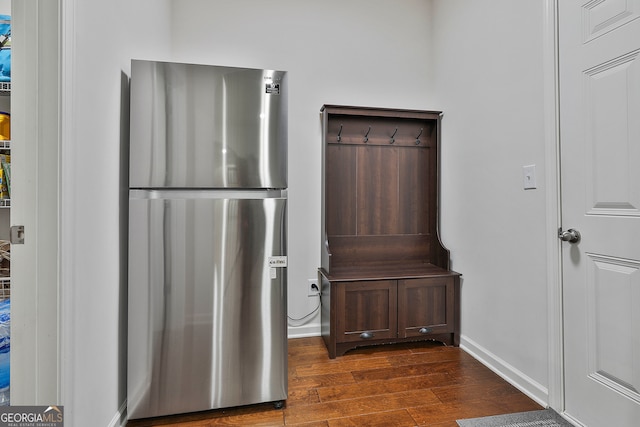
(392, 136)
(418, 137)
(366, 135)
(339, 133)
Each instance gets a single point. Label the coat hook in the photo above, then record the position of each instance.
(366, 135)
(418, 137)
(392, 136)
(339, 133)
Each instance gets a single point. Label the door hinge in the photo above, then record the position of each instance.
(16, 235)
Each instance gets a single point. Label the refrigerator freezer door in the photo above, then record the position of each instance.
(202, 126)
(207, 311)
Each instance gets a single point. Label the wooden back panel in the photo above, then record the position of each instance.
(380, 186)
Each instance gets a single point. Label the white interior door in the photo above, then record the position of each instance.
(600, 172)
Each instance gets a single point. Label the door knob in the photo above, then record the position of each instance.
(570, 235)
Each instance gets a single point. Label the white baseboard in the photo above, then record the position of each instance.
(304, 331)
(513, 376)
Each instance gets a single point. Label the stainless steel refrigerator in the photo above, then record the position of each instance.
(207, 238)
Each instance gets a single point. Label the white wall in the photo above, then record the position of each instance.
(360, 52)
(100, 39)
(489, 81)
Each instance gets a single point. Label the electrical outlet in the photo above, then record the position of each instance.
(313, 289)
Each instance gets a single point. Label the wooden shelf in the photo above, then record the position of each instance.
(386, 271)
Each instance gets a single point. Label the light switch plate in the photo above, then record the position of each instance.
(529, 177)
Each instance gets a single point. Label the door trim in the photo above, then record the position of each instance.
(553, 213)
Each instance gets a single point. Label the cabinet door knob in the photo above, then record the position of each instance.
(425, 330)
(366, 335)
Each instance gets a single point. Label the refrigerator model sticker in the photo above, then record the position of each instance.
(277, 261)
(273, 88)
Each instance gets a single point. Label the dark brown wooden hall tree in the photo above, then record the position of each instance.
(385, 275)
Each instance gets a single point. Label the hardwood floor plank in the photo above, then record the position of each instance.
(518, 403)
(314, 343)
(435, 355)
(384, 419)
(460, 368)
(463, 393)
(351, 391)
(342, 365)
(359, 406)
(303, 397)
(296, 382)
(311, 352)
(390, 372)
(311, 424)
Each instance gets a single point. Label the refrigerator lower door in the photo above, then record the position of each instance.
(207, 303)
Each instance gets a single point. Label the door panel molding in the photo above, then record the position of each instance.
(612, 107)
(603, 16)
(613, 293)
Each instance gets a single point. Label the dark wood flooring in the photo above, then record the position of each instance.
(418, 384)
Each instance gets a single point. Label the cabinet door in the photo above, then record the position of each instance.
(425, 306)
(366, 310)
